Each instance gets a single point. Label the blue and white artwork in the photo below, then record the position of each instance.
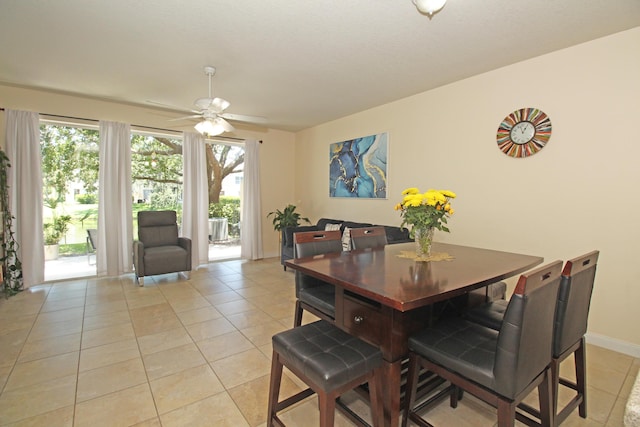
(358, 167)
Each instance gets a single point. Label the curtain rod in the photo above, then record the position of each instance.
(138, 126)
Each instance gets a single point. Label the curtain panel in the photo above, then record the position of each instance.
(25, 191)
(114, 255)
(195, 198)
(251, 228)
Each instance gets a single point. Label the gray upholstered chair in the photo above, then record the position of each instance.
(368, 237)
(158, 249)
(314, 295)
(572, 313)
(499, 367)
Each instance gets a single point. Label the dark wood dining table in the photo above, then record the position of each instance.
(383, 295)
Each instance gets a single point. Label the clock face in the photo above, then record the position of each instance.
(524, 132)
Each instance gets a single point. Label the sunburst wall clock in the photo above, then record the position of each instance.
(524, 132)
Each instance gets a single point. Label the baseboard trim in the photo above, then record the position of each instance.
(613, 344)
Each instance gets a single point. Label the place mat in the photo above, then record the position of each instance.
(434, 256)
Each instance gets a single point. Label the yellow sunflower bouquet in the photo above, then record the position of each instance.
(423, 211)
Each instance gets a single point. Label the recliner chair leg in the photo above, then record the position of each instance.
(140, 281)
(187, 274)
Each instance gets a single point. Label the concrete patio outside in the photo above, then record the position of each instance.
(78, 266)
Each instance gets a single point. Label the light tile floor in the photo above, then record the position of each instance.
(177, 352)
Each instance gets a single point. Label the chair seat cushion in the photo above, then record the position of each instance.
(165, 259)
(322, 297)
(464, 347)
(328, 356)
(489, 315)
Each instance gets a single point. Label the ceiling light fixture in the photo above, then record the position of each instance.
(213, 126)
(429, 7)
(208, 127)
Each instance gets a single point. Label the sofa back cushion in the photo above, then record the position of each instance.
(396, 234)
(322, 223)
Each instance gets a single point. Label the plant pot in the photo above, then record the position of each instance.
(50, 252)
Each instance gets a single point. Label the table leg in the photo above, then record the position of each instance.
(391, 383)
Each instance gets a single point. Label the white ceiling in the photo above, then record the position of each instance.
(298, 63)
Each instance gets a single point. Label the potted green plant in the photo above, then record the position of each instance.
(12, 281)
(53, 233)
(286, 218)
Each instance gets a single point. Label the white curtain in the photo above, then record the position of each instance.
(114, 254)
(251, 223)
(25, 191)
(195, 198)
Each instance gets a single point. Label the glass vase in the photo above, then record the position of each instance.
(424, 239)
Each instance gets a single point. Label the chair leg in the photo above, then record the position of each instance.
(186, 274)
(581, 377)
(545, 399)
(327, 405)
(274, 387)
(375, 398)
(555, 384)
(506, 413)
(411, 387)
(297, 321)
(454, 396)
(140, 281)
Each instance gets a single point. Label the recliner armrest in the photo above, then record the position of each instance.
(138, 256)
(185, 243)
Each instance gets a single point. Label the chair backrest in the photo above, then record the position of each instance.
(525, 339)
(157, 228)
(368, 237)
(574, 300)
(310, 243)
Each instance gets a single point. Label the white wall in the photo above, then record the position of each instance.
(276, 151)
(578, 194)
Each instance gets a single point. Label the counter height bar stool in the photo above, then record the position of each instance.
(499, 367)
(314, 295)
(570, 326)
(331, 362)
(368, 237)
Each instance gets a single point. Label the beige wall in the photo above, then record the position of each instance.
(276, 152)
(576, 195)
(579, 193)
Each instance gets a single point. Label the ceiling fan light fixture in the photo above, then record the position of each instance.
(209, 127)
(429, 7)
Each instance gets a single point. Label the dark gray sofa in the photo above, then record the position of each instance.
(394, 234)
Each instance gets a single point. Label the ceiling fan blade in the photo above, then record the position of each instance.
(243, 118)
(195, 116)
(172, 107)
(225, 124)
(218, 105)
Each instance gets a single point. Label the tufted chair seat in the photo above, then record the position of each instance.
(331, 362)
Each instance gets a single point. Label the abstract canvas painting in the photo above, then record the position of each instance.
(358, 167)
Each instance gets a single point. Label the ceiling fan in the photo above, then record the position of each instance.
(211, 111)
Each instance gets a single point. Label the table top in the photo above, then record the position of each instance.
(383, 275)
